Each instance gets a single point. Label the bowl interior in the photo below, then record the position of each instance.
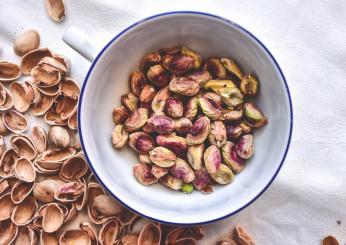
(108, 80)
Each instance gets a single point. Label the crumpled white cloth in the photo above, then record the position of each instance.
(308, 40)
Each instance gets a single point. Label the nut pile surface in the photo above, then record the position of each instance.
(190, 121)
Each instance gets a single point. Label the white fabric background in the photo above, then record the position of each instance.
(308, 40)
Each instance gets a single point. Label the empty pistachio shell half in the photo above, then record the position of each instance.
(141, 142)
(159, 101)
(216, 68)
(24, 212)
(57, 155)
(24, 170)
(212, 159)
(69, 192)
(14, 121)
(23, 146)
(32, 58)
(173, 142)
(232, 67)
(143, 174)
(107, 206)
(148, 60)
(48, 238)
(43, 105)
(7, 162)
(119, 136)
(6, 206)
(51, 64)
(218, 134)
(44, 191)
(245, 147)
(183, 171)
(58, 137)
(20, 191)
(65, 106)
(51, 90)
(161, 124)
(39, 138)
(242, 237)
(253, 116)
(209, 108)
(158, 76)
(162, 157)
(200, 76)
(55, 9)
(184, 86)
(195, 156)
(171, 182)
(136, 120)
(74, 168)
(8, 232)
(111, 231)
(150, 234)
(249, 85)
(25, 235)
(3, 94)
(9, 71)
(7, 101)
(72, 121)
(158, 172)
(94, 190)
(178, 64)
(183, 126)
(230, 157)
(26, 42)
(199, 132)
(2, 146)
(20, 96)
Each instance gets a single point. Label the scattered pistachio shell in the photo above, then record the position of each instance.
(69, 192)
(56, 155)
(75, 236)
(53, 218)
(8, 71)
(3, 94)
(55, 9)
(50, 91)
(32, 58)
(26, 42)
(107, 206)
(58, 137)
(24, 212)
(111, 231)
(43, 105)
(39, 138)
(72, 121)
(53, 118)
(20, 96)
(130, 239)
(2, 146)
(6, 206)
(14, 121)
(162, 157)
(226, 241)
(20, 191)
(242, 237)
(51, 64)
(150, 234)
(8, 232)
(8, 103)
(94, 190)
(119, 136)
(7, 162)
(24, 170)
(23, 146)
(65, 106)
(74, 168)
(3, 130)
(25, 235)
(44, 190)
(48, 238)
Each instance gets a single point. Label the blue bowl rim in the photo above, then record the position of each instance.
(228, 22)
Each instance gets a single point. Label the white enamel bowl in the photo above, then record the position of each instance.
(107, 80)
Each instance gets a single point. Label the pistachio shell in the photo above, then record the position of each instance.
(8, 103)
(249, 85)
(23, 146)
(111, 231)
(70, 88)
(91, 231)
(24, 212)
(184, 86)
(195, 156)
(33, 94)
(25, 235)
(74, 168)
(32, 58)
(48, 238)
(43, 105)
(52, 64)
(212, 159)
(80, 203)
(242, 237)
(2, 146)
(44, 78)
(199, 131)
(66, 106)
(223, 175)
(159, 101)
(329, 240)
(15, 121)
(8, 71)
(161, 124)
(8, 232)
(55, 9)
(26, 42)
(150, 234)
(58, 155)
(162, 157)
(218, 134)
(226, 241)
(183, 171)
(24, 170)
(232, 67)
(20, 191)
(20, 96)
(53, 118)
(141, 142)
(72, 121)
(75, 236)
(173, 142)
(158, 76)
(58, 137)
(69, 192)
(119, 136)
(143, 174)
(200, 76)
(6, 184)
(136, 120)
(183, 125)
(231, 158)
(129, 239)
(107, 206)
(6, 206)
(245, 147)
(196, 233)
(44, 190)
(3, 94)
(50, 91)
(191, 108)
(53, 218)
(171, 182)
(39, 138)
(7, 162)
(209, 108)
(94, 190)
(3, 130)
(253, 116)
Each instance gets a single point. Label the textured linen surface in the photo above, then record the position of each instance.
(308, 40)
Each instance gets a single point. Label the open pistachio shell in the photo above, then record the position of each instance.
(226, 241)
(69, 192)
(162, 157)
(111, 231)
(71, 211)
(73, 168)
(136, 120)
(232, 67)
(56, 155)
(33, 94)
(195, 156)
(91, 231)
(7, 162)
(8, 102)
(3, 94)
(199, 132)
(70, 88)
(52, 64)
(129, 239)
(159, 101)
(43, 105)
(179, 233)
(2, 146)
(72, 121)
(51, 90)
(55, 9)
(48, 238)
(20, 96)
(107, 206)
(25, 235)
(223, 175)
(66, 106)
(75, 236)
(47, 167)
(58, 137)
(24, 212)
(143, 174)
(171, 182)
(94, 190)
(31, 59)
(6, 206)
(53, 118)
(53, 218)
(20, 191)
(6, 184)
(24, 170)
(8, 232)
(150, 234)
(253, 116)
(44, 78)
(242, 237)
(23, 146)
(249, 85)
(8, 71)
(218, 133)
(212, 159)
(15, 121)
(183, 171)
(80, 203)
(44, 190)
(39, 138)
(3, 130)
(231, 158)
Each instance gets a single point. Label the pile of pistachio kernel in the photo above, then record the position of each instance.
(190, 120)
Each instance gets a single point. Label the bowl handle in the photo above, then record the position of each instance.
(81, 43)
